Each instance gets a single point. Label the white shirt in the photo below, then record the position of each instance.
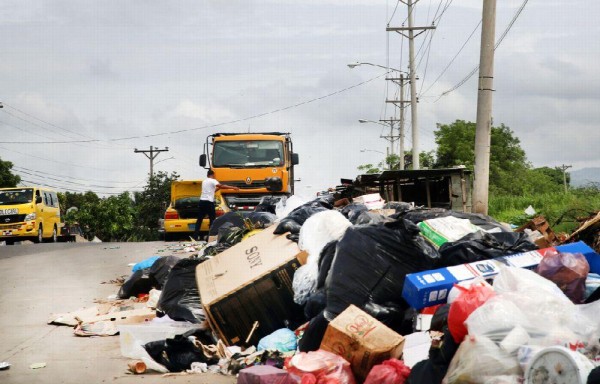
(209, 186)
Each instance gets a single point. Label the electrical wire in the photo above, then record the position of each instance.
(36, 183)
(207, 126)
(73, 178)
(470, 74)
(55, 161)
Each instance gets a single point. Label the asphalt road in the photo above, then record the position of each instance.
(39, 279)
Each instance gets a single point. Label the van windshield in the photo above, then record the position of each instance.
(248, 154)
(16, 196)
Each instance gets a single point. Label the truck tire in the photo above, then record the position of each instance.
(40, 235)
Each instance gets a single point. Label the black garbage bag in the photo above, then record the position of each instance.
(180, 298)
(234, 218)
(161, 268)
(395, 316)
(367, 218)
(315, 303)
(353, 211)
(371, 262)
(326, 201)
(325, 260)
(261, 220)
(178, 354)
(313, 335)
(483, 246)
(268, 204)
(295, 237)
(293, 222)
(139, 282)
(398, 206)
(230, 235)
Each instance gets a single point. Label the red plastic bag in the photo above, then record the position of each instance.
(567, 270)
(392, 371)
(469, 300)
(320, 367)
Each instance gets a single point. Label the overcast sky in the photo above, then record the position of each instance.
(164, 72)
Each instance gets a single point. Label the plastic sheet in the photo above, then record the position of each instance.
(180, 298)
(567, 270)
(282, 340)
(392, 371)
(325, 367)
(371, 262)
(230, 219)
(268, 204)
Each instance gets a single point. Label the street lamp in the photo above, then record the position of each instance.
(353, 65)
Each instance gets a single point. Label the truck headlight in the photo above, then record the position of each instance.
(30, 217)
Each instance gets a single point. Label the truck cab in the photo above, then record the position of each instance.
(260, 164)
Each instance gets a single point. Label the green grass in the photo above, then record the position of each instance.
(560, 209)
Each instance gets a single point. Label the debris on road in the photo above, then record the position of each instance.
(352, 289)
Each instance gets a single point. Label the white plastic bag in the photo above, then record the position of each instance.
(285, 206)
(316, 232)
(479, 359)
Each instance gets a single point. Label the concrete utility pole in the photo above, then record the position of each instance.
(413, 77)
(484, 109)
(564, 168)
(153, 152)
(401, 105)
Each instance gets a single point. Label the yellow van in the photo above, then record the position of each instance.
(29, 213)
(182, 212)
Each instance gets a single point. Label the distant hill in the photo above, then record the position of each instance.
(585, 176)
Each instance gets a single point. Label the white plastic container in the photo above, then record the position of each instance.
(558, 365)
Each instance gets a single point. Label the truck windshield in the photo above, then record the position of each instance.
(248, 153)
(16, 196)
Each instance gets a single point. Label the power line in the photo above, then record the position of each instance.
(470, 74)
(206, 126)
(33, 182)
(55, 161)
(43, 173)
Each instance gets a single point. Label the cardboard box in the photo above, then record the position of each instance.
(251, 282)
(362, 340)
(427, 288)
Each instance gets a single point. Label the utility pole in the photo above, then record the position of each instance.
(484, 109)
(413, 77)
(564, 168)
(401, 105)
(153, 152)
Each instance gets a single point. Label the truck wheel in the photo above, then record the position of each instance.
(10, 242)
(40, 236)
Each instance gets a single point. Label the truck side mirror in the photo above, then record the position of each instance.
(203, 160)
(295, 159)
(38, 199)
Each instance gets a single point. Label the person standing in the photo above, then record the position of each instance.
(207, 200)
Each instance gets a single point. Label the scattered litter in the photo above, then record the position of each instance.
(4, 365)
(137, 367)
(37, 365)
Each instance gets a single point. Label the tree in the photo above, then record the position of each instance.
(7, 178)
(392, 162)
(153, 200)
(110, 219)
(510, 173)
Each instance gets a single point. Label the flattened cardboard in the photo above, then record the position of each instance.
(362, 340)
(251, 281)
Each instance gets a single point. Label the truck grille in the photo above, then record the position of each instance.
(241, 184)
(12, 219)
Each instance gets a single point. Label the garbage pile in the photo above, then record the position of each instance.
(364, 291)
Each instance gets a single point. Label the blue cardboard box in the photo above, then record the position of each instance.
(427, 288)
